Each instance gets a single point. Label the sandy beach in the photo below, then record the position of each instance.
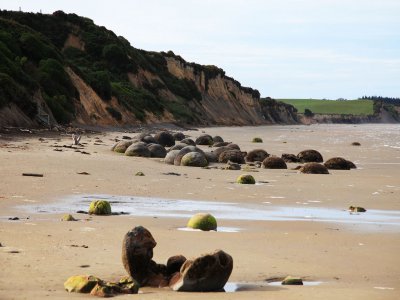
(287, 224)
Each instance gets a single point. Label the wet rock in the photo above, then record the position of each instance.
(121, 146)
(170, 157)
(256, 155)
(100, 207)
(202, 221)
(156, 150)
(81, 283)
(235, 156)
(165, 139)
(245, 179)
(217, 139)
(313, 168)
(257, 140)
(310, 156)
(175, 263)
(290, 158)
(68, 217)
(194, 159)
(138, 149)
(339, 163)
(178, 136)
(221, 144)
(207, 273)
(289, 280)
(232, 166)
(274, 162)
(137, 254)
(148, 139)
(188, 141)
(184, 151)
(356, 209)
(204, 139)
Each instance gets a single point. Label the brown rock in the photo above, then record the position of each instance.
(175, 263)
(290, 158)
(339, 163)
(274, 162)
(314, 168)
(310, 156)
(256, 155)
(235, 156)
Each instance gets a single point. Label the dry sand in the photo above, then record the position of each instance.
(352, 260)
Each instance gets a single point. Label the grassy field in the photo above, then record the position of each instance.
(317, 106)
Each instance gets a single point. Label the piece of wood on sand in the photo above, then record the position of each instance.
(32, 174)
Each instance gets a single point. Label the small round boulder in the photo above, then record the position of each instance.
(274, 162)
(257, 140)
(100, 207)
(204, 139)
(313, 168)
(245, 179)
(202, 221)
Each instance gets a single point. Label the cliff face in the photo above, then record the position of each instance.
(67, 67)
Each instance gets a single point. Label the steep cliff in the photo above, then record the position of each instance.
(68, 69)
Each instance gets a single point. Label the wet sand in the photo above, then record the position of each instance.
(313, 236)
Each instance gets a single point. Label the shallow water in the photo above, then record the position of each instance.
(176, 208)
(232, 287)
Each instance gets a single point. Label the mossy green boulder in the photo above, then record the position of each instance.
(194, 159)
(81, 283)
(289, 280)
(203, 221)
(100, 207)
(245, 179)
(68, 217)
(257, 140)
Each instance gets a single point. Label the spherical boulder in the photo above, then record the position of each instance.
(156, 150)
(211, 157)
(183, 151)
(165, 139)
(256, 155)
(121, 146)
(178, 136)
(257, 140)
(233, 146)
(170, 157)
(310, 156)
(220, 144)
(148, 139)
(290, 158)
(245, 179)
(274, 162)
(188, 141)
(232, 155)
(217, 139)
(202, 221)
(313, 168)
(138, 149)
(339, 163)
(100, 207)
(194, 159)
(204, 139)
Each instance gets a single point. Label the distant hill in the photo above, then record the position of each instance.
(64, 68)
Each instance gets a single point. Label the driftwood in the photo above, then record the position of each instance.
(32, 174)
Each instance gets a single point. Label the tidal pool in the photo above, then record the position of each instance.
(179, 208)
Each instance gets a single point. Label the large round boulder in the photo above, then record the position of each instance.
(256, 155)
(100, 207)
(274, 162)
(170, 157)
(217, 139)
(156, 150)
(211, 157)
(121, 146)
(188, 141)
(178, 136)
(205, 222)
(310, 156)
(138, 149)
(194, 159)
(148, 139)
(339, 163)
(232, 155)
(204, 139)
(183, 151)
(165, 139)
(313, 168)
(207, 273)
(233, 146)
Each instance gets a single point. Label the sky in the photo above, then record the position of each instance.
(284, 48)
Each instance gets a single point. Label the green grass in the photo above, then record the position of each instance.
(347, 107)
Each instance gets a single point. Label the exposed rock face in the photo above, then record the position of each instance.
(206, 273)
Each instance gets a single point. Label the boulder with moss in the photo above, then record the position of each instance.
(357, 209)
(205, 140)
(138, 149)
(184, 151)
(289, 280)
(257, 140)
(246, 179)
(203, 221)
(100, 207)
(194, 159)
(68, 218)
(121, 146)
(81, 283)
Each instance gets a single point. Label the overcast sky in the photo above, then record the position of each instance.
(283, 48)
